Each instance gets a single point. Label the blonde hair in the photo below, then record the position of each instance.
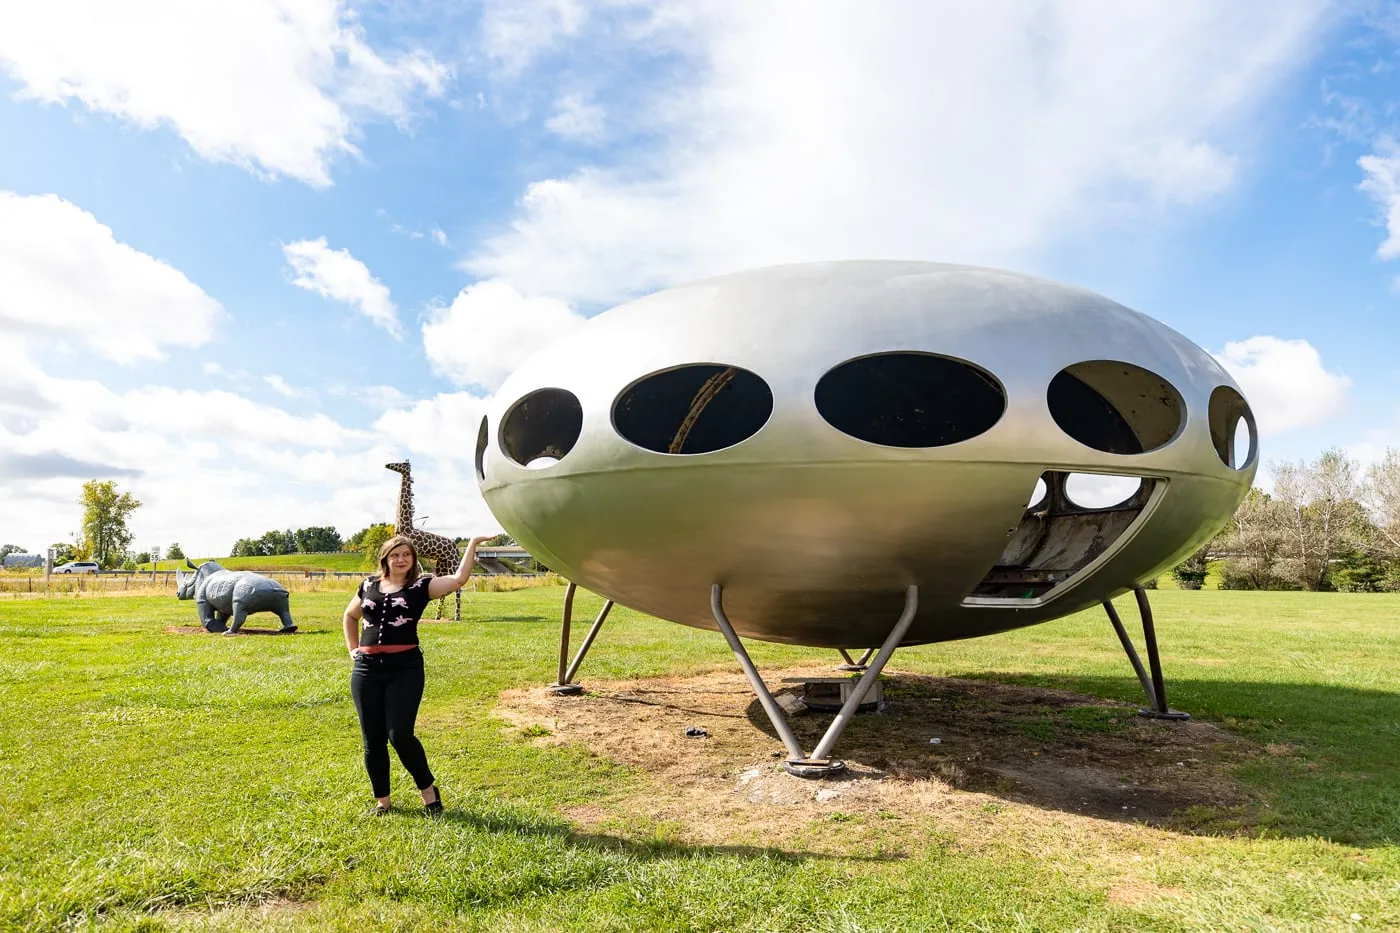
(388, 546)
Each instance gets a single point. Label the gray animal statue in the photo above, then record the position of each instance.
(222, 595)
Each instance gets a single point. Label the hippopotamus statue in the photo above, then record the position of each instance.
(221, 594)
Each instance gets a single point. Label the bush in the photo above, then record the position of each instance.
(1190, 574)
(1234, 576)
(1355, 572)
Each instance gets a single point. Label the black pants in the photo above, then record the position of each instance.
(387, 689)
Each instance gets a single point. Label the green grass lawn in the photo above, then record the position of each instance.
(156, 781)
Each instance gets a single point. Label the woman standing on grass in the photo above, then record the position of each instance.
(386, 682)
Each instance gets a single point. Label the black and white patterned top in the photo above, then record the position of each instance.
(392, 618)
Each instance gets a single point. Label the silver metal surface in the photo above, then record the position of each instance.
(814, 534)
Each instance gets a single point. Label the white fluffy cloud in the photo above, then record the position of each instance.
(442, 427)
(285, 389)
(576, 118)
(489, 329)
(335, 274)
(212, 466)
(828, 129)
(1382, 183)
(515, 32)
(64, 275)
(1285, 382)
(279, 86)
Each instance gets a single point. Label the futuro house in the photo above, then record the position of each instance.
(867, 454)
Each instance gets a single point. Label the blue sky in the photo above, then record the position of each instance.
(249, 253)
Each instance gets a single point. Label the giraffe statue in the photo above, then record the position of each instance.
(441, 551)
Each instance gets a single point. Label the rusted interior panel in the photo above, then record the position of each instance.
(1056, 539)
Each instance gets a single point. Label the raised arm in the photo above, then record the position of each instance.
(441, 586)
(352, 624)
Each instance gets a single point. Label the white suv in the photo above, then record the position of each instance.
(77, 566)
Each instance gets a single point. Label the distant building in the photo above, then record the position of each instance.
(23, 560)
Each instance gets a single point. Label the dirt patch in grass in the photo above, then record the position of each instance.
(998, 745)
(1135, 891)
(273, 914)
(245, 630)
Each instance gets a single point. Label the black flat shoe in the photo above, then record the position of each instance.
(434, 808)
(378, 810)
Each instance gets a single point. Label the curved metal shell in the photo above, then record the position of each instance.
(815, 533)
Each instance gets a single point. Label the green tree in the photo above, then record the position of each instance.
(318, 539)
(1358, 572)
(175, 552)
(1190, 574)
(7, 549)
(372, 540)
(278, 542)
(1321, 516)
(105, 512)
(1252, 544)
(248, 547)
(1380, 492)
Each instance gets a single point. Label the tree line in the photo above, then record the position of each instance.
(316, 539)
(1327, 525)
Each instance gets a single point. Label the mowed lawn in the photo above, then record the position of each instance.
(170, 781)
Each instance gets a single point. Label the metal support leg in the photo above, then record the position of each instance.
(1131, 652)
(770, 706)
(817, 764)
(565, 686)
(867, 680)
(588, 641)
(562, 685)
(1155, 688)
(852, 665)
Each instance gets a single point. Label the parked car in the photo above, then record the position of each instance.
(78, 566)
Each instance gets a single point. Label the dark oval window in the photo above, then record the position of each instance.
(1115, 407)
(693, 409)
(481, 437)
(542, 427)
(906, 399)
(1232, 430)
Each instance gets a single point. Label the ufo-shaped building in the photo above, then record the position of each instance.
(808, 453)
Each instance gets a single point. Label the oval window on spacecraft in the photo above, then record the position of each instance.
(694, 409)
(909, 399)
(1232, 430)
(542, 427)
(1115, 407)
